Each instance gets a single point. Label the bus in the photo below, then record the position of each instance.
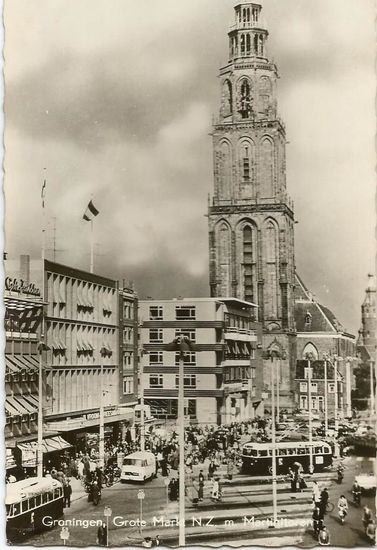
(28, 501)
(257, 457)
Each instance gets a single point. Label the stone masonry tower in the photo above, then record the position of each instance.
(251, 220)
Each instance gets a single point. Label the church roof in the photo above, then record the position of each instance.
(310, 316)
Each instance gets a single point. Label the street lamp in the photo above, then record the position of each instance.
(274, 354)
(325, 358)
(41, 348)
(183, 345)
(309, 357)
(103, 353)
(107, 512)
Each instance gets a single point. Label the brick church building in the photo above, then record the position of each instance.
(251, 216)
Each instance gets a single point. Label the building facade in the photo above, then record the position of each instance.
(90, 329)
(364, 393)
(251, 219)
(250, 215)
(222, 379)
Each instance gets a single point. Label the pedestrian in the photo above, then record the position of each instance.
(211, 469)
(102, 535)
(316, 494)
(324, 501)
(67, 492)
(201, 486)
(215, 494)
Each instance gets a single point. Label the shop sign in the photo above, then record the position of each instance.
(95, 415)
(21, 287)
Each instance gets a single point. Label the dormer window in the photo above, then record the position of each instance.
(308, 320)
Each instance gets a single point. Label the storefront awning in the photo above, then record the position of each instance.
(49, 445)
(21, 404)
(17, 363)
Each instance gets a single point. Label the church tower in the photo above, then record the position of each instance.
(251, 219)
(250, 214)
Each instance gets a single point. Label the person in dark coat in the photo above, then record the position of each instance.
(102, 535)
(201, 485)
(67, 492)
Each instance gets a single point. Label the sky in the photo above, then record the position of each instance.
(113, 100)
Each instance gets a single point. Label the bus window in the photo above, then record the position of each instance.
(300, 451)
(282, 452)
(57, 492)
(318, 450)
(31, 503)
(8, 509)
(25, 505)
(38, 500)
(262, 452)
(326, 450)
(253, 452)
(292, 451)
(16, 509)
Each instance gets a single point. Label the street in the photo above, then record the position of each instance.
(243, 514)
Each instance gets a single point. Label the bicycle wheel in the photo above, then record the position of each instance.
(329, 507)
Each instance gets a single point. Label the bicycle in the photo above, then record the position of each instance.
(329, 507)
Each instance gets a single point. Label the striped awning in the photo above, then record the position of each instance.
(21, 304)
(21, 404)
(18, 363)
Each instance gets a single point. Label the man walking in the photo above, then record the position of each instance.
(67, 492)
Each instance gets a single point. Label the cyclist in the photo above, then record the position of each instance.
(342, 508)
(317, 520)
(324, 500)
(340, 471)
(356, 492)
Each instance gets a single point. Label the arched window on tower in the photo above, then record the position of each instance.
(224, 166)
(243, 44)
(256, 44)
(271, 291)
(248, 264)
(224, 259)
(267, 169)
(244, 98)
(248, 44)
(246, 168)
(265, 94)
(226, 99)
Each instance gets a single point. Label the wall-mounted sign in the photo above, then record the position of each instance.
(22, 287)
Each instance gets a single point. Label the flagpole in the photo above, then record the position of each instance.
(91, 247)
(40, 370)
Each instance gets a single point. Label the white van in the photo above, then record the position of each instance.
(138, 466)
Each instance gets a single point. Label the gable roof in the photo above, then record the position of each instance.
(321, 319)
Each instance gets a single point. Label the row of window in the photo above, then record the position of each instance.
(314, 387)
(33, 502)
(156, 335)
(157, 381)
(183, 313)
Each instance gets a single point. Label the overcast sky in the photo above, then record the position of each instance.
(115, 99)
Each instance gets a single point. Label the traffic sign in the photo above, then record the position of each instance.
(140, 494)
(107, 511)
(64, 533)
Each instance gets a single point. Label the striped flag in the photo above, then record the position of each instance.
(43, 193)
(90, 212)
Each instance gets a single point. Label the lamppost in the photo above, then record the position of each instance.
(325, 358)
(103, 353)
(309, 357)
(41, 348)
(183, 345)
(141, 390)
(272, 355)
(107, 512)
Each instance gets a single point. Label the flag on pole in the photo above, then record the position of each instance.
(90, 212)
(43, 193)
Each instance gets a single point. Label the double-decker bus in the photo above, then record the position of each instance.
(28, 501)
(257, 457)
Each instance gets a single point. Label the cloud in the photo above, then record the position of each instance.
(115, 100)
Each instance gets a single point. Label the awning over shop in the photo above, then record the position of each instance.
(21, 404)
(10, 461)
(91, 419)
(18, 363)
(49, 445)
